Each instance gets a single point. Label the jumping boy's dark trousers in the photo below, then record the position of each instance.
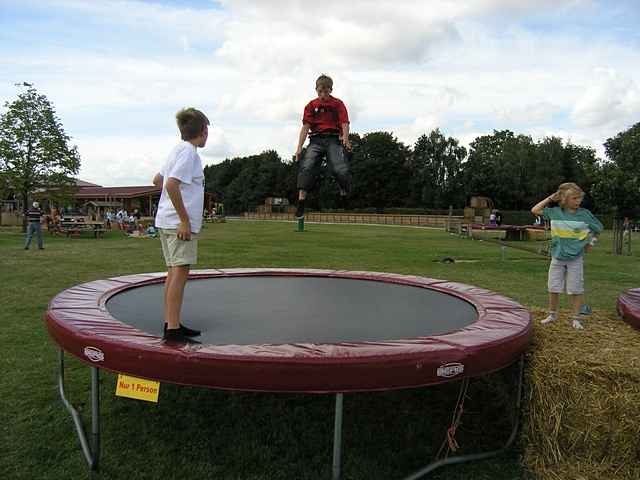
(319, 146)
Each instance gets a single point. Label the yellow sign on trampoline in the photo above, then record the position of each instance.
(138, 388)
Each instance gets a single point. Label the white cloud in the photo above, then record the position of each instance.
(536, 113)
(122, 160)
(134, 160)
(609, 98)
(333, 34)
(154, 19)
(409, 133)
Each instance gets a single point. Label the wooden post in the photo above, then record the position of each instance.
(617, 236)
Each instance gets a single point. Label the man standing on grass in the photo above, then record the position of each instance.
(34, 216)
(179, 216)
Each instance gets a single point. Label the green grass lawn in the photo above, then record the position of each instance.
(249, 436)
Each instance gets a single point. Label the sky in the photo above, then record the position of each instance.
(117, 71)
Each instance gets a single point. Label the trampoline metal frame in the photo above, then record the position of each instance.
(91, 451)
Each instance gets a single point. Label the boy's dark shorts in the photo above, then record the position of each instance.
(319, 147)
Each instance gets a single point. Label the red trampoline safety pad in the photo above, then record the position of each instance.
(629, 306)
(78, 320)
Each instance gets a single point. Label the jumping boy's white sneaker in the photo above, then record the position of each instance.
(550, 318)
(577, 324)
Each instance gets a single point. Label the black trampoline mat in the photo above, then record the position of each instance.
(280, 310)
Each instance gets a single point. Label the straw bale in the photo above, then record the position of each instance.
(582, 417)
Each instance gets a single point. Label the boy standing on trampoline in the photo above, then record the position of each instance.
(326, 121)
(573, 231)
(179, 216)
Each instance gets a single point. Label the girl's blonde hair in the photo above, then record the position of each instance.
(567, 189)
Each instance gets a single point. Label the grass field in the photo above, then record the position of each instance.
(246, 436)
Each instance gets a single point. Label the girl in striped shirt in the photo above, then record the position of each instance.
(573, 231)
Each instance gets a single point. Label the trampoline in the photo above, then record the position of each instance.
(288, 330)
(629, 307)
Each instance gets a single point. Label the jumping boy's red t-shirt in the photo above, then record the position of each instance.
(325, 116)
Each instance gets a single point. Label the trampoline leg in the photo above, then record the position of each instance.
(95, 413)
(337, 438)
(484, 455)
(91, 455)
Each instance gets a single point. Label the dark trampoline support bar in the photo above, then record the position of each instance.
(91, 452)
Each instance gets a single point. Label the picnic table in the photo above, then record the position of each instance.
(75, 228)
(512, 232)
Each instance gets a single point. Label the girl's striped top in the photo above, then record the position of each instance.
(570, 232)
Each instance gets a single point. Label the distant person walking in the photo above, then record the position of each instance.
(34, 216)
(108, 216)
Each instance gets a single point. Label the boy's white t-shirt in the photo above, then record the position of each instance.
(183, 164)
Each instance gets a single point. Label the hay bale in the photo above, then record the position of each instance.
(535, 234)
(582, 419)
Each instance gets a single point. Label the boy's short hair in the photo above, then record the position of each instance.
(191, 123)
(324, 81)
(568, 188)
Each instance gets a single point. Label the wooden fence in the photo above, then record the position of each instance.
(435, 221)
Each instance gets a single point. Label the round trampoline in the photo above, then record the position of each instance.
(629, 306)
(293, 330)
(316, 331)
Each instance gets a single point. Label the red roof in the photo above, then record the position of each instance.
(82, 183)
(118, 192)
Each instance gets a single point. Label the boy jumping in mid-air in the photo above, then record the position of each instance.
(573, 231)
(326, 121)
(179, 216)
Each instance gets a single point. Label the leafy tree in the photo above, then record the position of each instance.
(499, 167)
(244, 182)
(436, 171)
(606, 190)
(546, 171)
(622, 174)
(381, 172)
(34, 150)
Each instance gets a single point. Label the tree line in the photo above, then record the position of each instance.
(436, 172)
